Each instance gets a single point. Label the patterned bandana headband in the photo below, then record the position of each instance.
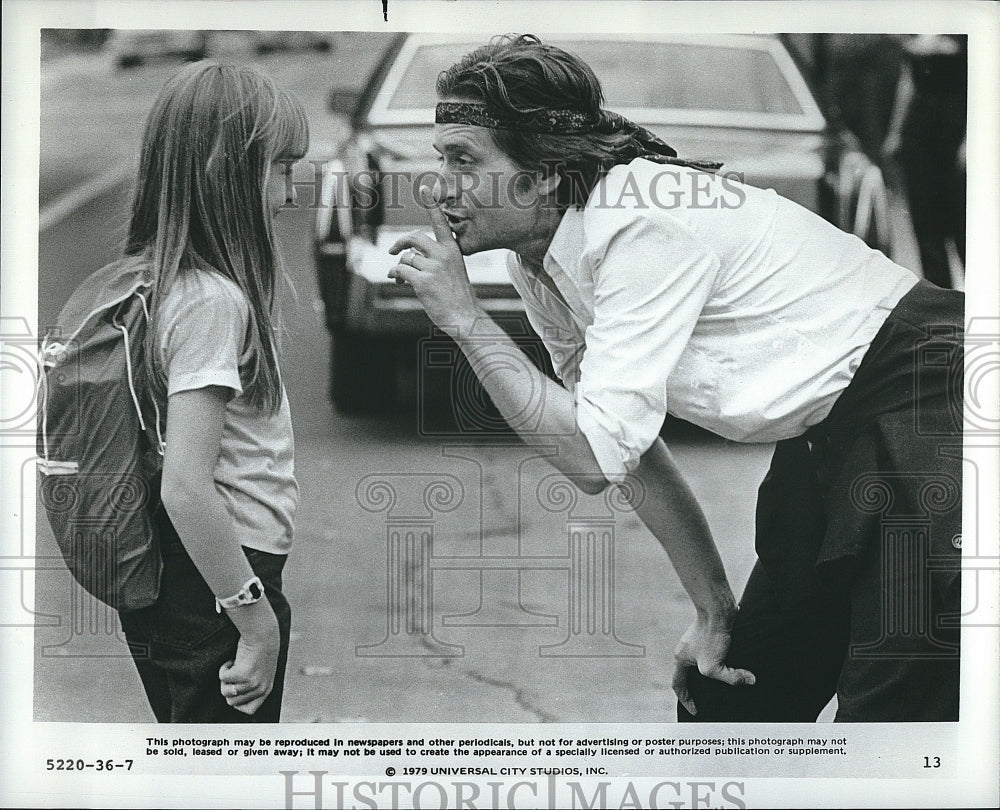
(568, 122)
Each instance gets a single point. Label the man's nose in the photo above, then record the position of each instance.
(443, 187)
(451, 186)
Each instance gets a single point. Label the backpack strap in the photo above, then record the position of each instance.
(45, 360)
(47, 357)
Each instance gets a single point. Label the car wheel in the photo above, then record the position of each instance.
(362, 373)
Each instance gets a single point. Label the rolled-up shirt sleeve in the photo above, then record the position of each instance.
(652, 276)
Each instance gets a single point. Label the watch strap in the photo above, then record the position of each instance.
(252, 591)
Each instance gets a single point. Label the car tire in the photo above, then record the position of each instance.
(362, 373)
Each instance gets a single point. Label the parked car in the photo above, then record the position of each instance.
(132, 47)
(273, 41)
(740, 99)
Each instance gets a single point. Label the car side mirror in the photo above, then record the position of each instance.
(343, 100)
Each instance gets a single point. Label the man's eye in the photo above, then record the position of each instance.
(459, 161)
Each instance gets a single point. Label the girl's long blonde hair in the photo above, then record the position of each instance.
(201, 199)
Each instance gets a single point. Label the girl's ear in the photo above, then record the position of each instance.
(548, 182)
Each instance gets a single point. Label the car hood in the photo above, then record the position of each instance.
(373, 261)
(790, 162)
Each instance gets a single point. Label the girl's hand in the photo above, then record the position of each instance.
(704, 646)
(246, 681)
(436, 270)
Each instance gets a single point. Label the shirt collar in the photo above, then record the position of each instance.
(561, 264)
(567, 244)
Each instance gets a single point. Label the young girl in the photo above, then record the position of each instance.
(218, 145)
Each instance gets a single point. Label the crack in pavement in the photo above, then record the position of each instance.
(519, 696)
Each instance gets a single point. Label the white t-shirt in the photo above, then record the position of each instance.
(201, 338)
(726, 305)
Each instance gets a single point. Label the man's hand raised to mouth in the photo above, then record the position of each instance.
(435, 268)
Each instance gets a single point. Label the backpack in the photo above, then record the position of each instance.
(99, 440)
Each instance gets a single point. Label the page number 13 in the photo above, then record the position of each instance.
(932, 762)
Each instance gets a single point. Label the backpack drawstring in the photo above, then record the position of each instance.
(135, 397)
(160, 444)
(128, 372)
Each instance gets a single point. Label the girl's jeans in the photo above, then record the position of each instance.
(179, 642)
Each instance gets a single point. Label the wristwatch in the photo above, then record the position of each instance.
(251, 592)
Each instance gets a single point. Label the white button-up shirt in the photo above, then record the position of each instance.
(726, 305)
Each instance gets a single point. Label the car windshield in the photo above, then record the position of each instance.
(683, 76)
